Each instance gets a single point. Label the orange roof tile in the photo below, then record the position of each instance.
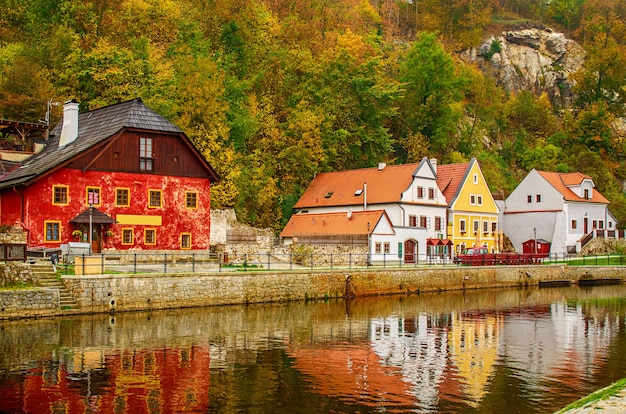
(338, 188)
(561, 182)
(334, 223)
(450, 177)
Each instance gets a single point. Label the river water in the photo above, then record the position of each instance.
(489, 351)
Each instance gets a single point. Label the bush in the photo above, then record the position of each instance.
(494, 47)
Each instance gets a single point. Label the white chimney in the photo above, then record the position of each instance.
(69, 130)
(433, 162)
(381, 166)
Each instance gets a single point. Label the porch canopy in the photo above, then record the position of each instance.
(438, 242)
(97, 217)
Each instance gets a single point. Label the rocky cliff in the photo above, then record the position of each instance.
(535, 60)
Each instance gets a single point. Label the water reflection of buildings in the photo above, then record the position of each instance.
(564, 342)
(474, 341)
(408, 362)
(131, 381)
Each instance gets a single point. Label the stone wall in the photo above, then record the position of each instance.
(136, 292)
(13, 235)
(29, 303)
(15, 272)
(341, 255)
(118, 293)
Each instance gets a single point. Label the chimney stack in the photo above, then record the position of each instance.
(69, 130)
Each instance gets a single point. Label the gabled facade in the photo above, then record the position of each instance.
(407, 193)
(558, 207)
(472, 215)
(123, 173)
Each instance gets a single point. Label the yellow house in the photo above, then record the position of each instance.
(472, 211)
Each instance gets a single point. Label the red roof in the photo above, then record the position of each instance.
(334, 223)
(450, 177)
(561, 182)
(341, 188)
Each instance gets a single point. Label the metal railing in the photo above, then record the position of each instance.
(213, 262)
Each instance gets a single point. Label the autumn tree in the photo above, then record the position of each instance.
(432, 93)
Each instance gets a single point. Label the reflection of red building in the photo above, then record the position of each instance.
(123, 171)
(147, 381)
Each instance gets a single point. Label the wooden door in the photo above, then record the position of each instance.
(410, 251)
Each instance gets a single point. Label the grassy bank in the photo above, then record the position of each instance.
(602, 394)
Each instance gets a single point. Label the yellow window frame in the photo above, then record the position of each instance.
(182, 237)
(132, 236)
(145, 237)
(99, 190)
(127, 196)
(45, 231)
(67, 194)
(160, 192)
(195, 199)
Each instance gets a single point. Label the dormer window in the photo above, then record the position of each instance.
(586, 194)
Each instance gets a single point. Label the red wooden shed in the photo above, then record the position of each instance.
(543, 246)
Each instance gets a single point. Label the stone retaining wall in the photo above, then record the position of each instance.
(102, 293)
(29, 303)
(111, 293)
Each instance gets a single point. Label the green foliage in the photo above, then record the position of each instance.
(494, 47)
(275, 92)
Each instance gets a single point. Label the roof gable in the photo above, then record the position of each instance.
(425, 169)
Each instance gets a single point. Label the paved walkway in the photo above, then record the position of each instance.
(615, 404)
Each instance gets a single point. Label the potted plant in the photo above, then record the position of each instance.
(77, 234)
(108, 233)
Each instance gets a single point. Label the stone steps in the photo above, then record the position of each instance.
(45, 275)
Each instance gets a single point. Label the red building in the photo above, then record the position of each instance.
(123, 171)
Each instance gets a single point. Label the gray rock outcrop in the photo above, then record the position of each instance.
(535, 60)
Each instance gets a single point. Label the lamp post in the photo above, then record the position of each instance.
(90, 226)
(535, 239)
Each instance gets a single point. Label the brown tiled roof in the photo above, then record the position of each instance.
(93, 127)
(450, 177)
(338, 188)
(561, 181)
(94, 216)
(355, 223)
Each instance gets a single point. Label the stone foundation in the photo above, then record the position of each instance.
(118, 293)
(29, 303)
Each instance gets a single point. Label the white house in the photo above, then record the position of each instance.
(407, 193)
(561, 208)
